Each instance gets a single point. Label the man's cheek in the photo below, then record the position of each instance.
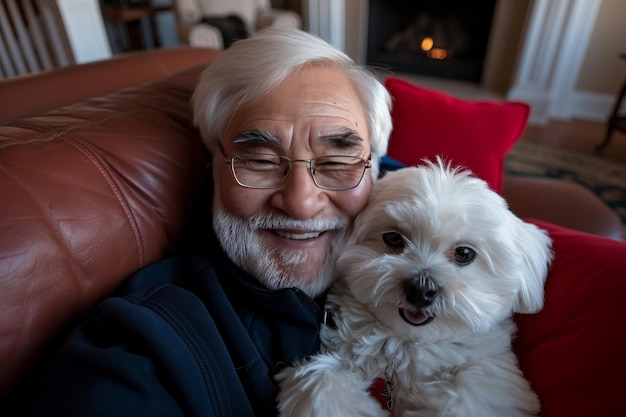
(355, 202)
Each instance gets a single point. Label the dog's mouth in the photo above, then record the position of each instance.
(415, 318)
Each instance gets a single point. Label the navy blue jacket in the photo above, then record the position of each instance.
(189, 337)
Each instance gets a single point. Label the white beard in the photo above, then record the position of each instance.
(278, 267)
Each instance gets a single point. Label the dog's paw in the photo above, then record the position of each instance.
(319, 388)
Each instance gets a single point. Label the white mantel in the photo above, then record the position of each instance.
(555, 40)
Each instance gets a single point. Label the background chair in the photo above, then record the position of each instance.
(256, 14)
(617, 121)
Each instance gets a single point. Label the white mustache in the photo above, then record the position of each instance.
(270, 221)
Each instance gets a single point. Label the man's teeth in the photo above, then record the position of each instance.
(298, 236)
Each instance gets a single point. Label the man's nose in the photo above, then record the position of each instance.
(299, 197)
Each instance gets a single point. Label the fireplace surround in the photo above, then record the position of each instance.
(535, 51)
(443, 38)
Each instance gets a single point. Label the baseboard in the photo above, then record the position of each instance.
(582, 105)
(596, 107)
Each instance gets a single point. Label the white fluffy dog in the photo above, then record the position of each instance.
(426, 286)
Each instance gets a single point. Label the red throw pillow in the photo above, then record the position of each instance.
(572, 351)
(473, 134)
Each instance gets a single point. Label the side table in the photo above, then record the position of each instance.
(132, 17)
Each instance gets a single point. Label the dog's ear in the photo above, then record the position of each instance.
(534, 246)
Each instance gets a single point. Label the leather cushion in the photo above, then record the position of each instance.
(91, 193)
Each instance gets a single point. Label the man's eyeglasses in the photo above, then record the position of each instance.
(259, 170)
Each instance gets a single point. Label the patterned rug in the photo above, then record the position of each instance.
(606, 178)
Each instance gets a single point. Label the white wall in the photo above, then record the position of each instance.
(84, 29)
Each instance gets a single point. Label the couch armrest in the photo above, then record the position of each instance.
(563, 203)
(68, 85)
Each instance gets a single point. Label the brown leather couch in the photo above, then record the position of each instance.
(99, 170)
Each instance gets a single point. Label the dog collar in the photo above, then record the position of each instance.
(380, 390)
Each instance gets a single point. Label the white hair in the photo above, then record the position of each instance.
(252, 67)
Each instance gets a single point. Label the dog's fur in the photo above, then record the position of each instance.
(412, 304)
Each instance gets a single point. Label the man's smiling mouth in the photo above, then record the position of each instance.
(297, 235)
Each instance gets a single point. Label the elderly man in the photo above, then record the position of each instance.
(296, 131)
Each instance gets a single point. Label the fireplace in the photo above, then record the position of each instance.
(442, 38)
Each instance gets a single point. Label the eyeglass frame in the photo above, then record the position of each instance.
(367, 163)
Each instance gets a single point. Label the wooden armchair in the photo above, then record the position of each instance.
(617, 121)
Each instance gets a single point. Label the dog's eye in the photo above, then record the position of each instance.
(394, 240)
(464, 255)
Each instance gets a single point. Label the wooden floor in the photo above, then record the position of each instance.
(579, 135)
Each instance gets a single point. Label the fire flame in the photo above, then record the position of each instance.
(434, 53)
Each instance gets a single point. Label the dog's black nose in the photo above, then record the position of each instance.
(421, 291)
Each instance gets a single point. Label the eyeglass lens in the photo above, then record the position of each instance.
(269, 171)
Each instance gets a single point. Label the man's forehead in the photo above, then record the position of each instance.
(316, 84)
(317, 104)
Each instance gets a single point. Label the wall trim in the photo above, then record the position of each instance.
(592, 106)
(554, 48)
